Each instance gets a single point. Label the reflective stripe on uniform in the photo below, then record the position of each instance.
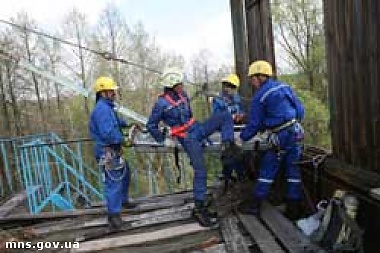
(268, 181)
(292, 180)
(270, 91)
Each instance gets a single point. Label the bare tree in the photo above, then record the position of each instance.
(75, 26)
(298, 26)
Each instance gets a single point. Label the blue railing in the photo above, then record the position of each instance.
(60, 174)
(56, 175)
(53, 175)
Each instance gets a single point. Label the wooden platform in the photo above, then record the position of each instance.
(163, 224)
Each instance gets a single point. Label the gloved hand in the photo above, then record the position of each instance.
(239, 142)
(169, 142)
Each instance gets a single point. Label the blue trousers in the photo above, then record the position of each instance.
(116, 188)
(192, 144)
(270, 164)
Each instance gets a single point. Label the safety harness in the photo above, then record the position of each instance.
(268, 139)
(179, 130)
(112, 160)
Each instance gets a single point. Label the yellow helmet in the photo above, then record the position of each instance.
(260, 67)
(171, 77)
(232, 79)
(104, 83)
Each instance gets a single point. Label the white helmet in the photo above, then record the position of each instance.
(171, 77)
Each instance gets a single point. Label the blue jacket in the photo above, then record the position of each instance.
(105, 127)
(171, 115)
(230, 102)
(273, 104)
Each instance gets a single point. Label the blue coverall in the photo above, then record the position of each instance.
(274, 104)
(232, 104)
(174, 116)
(105, 129)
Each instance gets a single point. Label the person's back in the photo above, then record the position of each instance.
(276, 111)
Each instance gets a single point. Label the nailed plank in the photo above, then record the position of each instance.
(234, 240)
(187, 243)
(141, 238)
(219, 248)
(162, 219)
(184, 195)
(82, 212)
(264, 239)
(292, 238)
(13, 202)
(73, 225)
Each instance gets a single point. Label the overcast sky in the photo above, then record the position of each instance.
(185, 26)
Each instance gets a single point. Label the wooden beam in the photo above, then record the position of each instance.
(264, 239)
(141, 238)
(234, 240)
(290, 237)
(219, 248)
(81, 212)
(49, 228)
(12, 203)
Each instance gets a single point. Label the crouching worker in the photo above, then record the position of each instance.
(173, 109)
(229, 101)
(275, 110)
(105, 129)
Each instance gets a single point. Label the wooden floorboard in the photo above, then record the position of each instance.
(233, 239)
(11, 205)
(289, 236)
(138, 239)
(263, 238)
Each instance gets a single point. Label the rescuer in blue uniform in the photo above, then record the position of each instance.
(229, 100)
(105, 129)
(173, 109)
(277, 110)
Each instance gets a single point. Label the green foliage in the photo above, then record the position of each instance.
(317, 116)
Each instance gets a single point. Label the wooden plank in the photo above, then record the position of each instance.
(186, 243)
(264, 239)
(81, 212)
(157, 220)
(290, 237)
(219, 248)
(138, 239)
(14, 202)
(234, 240)
(76, 225)
(183, 195)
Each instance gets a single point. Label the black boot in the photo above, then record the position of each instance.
(293, 209)
(115, 222)
(252, 208)
(211, 210)
(201, 214)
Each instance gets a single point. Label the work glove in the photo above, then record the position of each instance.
(239, 142)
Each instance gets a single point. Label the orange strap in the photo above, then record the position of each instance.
(175, 103)
(180, 131)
